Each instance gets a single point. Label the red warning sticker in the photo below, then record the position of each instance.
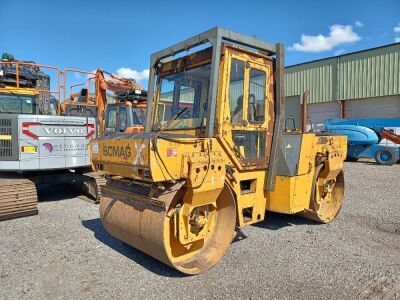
(172, 152)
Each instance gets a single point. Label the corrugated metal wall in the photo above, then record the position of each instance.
(371, 73)
(317, 77)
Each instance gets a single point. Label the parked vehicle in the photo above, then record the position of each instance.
(39, 142)
(211, 160)
(369, 138)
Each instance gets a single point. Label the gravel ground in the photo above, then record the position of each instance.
(65, 253)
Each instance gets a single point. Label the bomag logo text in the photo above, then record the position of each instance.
(117, 151)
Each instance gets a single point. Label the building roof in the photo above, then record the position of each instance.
(345, 54)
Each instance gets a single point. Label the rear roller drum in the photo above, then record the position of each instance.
(326, 198)
(150, 227)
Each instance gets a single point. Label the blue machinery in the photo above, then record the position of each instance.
(369, 138)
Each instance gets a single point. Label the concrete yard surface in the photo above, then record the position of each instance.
(64, 252)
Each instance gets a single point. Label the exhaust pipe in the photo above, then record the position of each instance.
(304, 112)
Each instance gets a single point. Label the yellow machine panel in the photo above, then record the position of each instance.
(307, 154)
(291, 194)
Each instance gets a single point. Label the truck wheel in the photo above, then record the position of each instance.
(386, 156)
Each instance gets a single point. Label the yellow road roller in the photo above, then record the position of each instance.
(215, 154)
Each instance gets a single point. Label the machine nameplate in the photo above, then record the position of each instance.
(117, 151)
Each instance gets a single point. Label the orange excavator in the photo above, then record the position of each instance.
(126, 114)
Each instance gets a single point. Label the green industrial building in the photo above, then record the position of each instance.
(364, 84)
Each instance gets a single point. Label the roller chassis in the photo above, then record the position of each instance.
(178, 195)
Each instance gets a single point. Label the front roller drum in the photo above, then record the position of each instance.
(148, 225)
